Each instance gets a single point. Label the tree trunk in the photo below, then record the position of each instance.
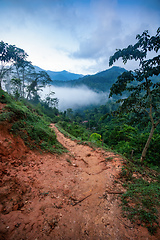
(147, 143)
(28, 94)
(23, 84)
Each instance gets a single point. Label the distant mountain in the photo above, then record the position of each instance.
(101, 81)
(60, 76)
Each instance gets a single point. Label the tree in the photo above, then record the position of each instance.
(9, 54)
(24, 71)
(39, 80)
(16, 87)
(143, 93)
(51, 101)
(69, 113)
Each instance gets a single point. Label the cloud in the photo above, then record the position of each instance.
(116, 26)
(98, 45)
(75, 97)
(75, 35)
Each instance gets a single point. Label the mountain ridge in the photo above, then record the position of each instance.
(99, 82)
(60, 75)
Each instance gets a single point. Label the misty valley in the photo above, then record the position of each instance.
(76, 98)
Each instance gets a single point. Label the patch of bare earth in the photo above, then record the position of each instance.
(68, 196)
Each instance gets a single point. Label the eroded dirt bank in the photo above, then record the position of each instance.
(71, 196)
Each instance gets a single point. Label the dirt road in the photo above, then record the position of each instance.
(70, 196)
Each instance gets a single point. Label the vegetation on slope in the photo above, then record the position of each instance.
(30, 124)
(141, 201)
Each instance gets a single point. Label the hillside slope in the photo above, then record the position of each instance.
(68, 196)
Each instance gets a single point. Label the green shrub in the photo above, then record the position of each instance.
(95, 138)
(6, 116)
(5, 97)
(75, 130)
(124, 148)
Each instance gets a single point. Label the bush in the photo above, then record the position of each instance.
(124, 148)
(6, 116)
(126, 138)
(95, 138)
(4, 97)
(75, 130)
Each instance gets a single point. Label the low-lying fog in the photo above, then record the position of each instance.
(75, 97)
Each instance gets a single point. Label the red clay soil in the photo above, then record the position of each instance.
(68, 196)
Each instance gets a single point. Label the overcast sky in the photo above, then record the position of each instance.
(76, 35)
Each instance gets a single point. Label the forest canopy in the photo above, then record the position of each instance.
(144, 95)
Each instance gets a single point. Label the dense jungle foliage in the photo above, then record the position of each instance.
(124, 134)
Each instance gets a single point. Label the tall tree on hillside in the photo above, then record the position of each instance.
(16, 87)
(38, 81)
(24, 71)
(51, 101)
(144, 93)
(9, 54)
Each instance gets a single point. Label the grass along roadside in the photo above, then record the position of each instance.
(141, 202)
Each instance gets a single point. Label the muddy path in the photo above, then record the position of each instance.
(70, 196)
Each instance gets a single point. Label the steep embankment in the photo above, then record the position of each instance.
(68, 196)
